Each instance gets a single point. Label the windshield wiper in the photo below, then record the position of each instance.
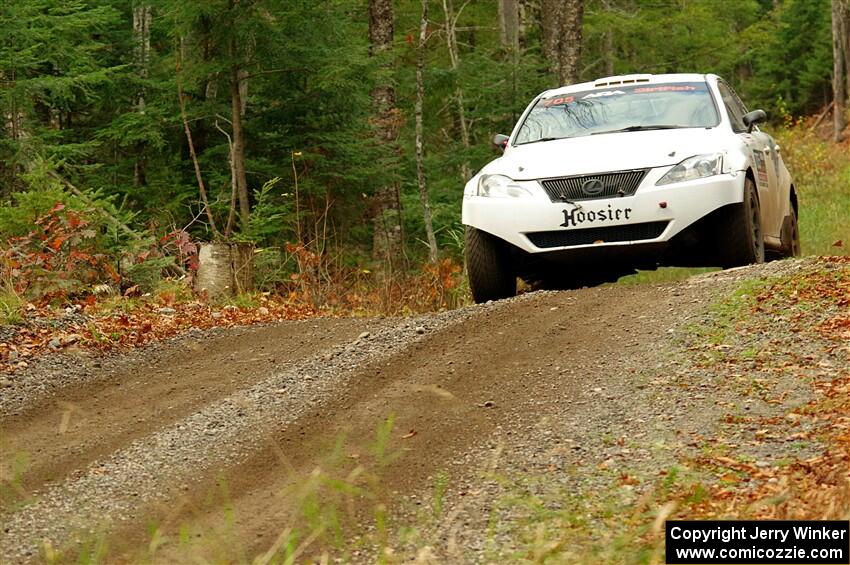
(639, 128)
(541, 139)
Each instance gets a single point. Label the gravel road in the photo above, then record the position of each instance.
(215, 432)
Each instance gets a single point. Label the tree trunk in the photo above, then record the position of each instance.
(387, 237)
(839, 80)
(234, 191)
(454, 60)
(844, 28)
(561, 22)
(238, 107)
(142, 16)
(224, 269)
(608, 44)
(550, 20)
(420, 154)
(527, 14)
(202, 190)
(509, 23)
(15, 117)
(238, 153)
(608, 54)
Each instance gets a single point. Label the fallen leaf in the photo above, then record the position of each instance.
(726, 461)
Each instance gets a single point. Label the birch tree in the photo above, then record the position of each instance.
(454, 60)
(142, 16)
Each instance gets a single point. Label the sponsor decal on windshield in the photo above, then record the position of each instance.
(590, 96)
(558, 101)
(665, 88)
(602, 94)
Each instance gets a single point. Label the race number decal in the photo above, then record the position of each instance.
(761, 168)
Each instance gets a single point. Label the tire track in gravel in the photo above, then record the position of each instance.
(159, 465)
(87, 420)
(455, 389)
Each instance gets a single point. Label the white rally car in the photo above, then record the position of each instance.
(629, 172)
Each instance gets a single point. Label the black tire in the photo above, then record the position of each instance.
(488, 267)
(740, 237)
(791, 236)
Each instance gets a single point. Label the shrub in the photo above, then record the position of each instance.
(147, 273)
(60, 255)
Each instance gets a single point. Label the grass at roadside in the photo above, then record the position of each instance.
(11, 307)
(821, 173)
(722, 481)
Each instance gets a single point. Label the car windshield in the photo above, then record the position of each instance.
(624, 108)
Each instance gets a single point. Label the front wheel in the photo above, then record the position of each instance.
(740, 236)
(488, 267)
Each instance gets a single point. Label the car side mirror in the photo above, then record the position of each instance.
(500, 141)
(753, 118)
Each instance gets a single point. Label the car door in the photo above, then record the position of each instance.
(763, 149)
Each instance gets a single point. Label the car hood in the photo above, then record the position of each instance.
(605, 152)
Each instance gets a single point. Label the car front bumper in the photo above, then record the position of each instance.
(668, 209)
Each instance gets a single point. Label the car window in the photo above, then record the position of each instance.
(734, 107)
(622, 108)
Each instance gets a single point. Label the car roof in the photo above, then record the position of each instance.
(614, 81)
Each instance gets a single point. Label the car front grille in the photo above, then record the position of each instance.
(590, 187)
(628, 232)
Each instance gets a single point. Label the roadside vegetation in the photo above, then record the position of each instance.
(821, 171)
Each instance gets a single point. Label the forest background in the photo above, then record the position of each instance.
(335, 136)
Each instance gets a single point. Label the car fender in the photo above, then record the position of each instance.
(741, 163)
(785, 184)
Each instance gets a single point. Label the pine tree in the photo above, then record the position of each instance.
(52, 73)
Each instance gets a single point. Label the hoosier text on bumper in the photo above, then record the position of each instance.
(725, 535)
(578, 216)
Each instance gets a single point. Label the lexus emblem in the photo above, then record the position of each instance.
(592, 187)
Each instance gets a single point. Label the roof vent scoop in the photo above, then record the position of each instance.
(623, 79)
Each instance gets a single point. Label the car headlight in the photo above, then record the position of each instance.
(697, 167)
(500, 186)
